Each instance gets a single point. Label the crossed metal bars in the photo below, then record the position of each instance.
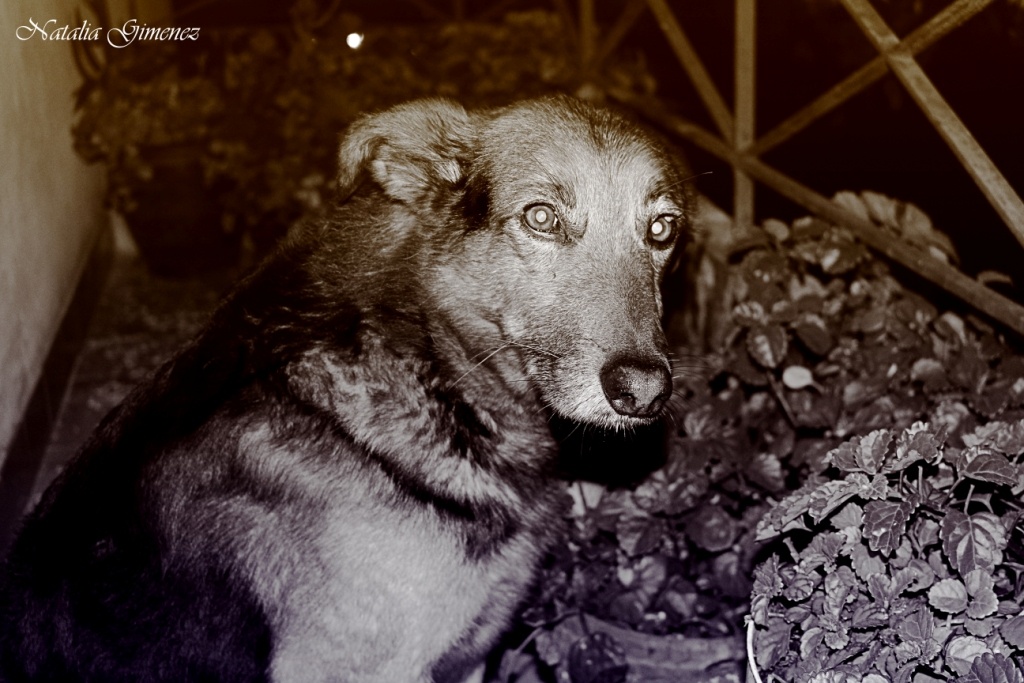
(735, 141)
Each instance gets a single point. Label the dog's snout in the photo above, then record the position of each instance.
(636, 387)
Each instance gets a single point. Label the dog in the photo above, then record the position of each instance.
(348, 476)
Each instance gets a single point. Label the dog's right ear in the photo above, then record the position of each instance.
(413, 151)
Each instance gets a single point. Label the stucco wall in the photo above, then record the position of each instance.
(50, 203)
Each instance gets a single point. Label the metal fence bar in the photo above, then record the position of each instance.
(745, 98)
(989, 302)
(982, 170)
(921, 38)
(683, 48)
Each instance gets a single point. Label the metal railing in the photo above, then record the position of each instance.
(735, 141)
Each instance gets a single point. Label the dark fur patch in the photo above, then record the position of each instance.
(474, 204)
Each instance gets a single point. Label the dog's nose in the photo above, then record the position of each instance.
(636, 387)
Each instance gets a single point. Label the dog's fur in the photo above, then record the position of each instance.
(347, 476)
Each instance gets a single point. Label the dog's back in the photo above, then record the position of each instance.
(347, 476)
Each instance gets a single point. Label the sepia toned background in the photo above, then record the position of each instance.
(778, 105)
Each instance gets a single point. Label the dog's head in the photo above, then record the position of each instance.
(547, 227)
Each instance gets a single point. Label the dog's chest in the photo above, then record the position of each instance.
(386, 593)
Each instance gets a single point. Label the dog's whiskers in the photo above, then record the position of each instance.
(479, 363)
(531, 347)
(687, 179)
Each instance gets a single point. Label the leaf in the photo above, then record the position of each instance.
(829, 496)
(822, 550)
(869, 614)
(840, 257)
(981, 628)
(670, 492)
(767, 585)
(741, 365)
(765, 469)
(917, 628)
(969, 370)
(629, 607)
(885, 523)
(925, 532)
(812, 331)
(921, 575)
(811, 639)
(983, 598)
(877, 678)
(985, 465)
(841, 587)
(949, 596)
(553, 644)
(837, 638)
(767, 345)
(915, 444)
(962, 651)
(863, 454)
(873, 320)
(772, 644)
(972, 542)
(597, 658)
(851, 516)
(930, 373)
(1012, 631)
(993, 400)
(992, 668)
(834, 676)
(1002, 436)
(812, 410)
(749, 314)
(865, 564)
(880, 208)
(713, 529)
(872, 451)
(776, 228)
(875, 488)
(797, 377)
(639, 533)
(800, 585)
(785, 516)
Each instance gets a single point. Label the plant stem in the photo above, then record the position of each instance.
(774, 384)
(949, 494)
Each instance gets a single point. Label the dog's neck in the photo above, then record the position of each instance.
(451, 408)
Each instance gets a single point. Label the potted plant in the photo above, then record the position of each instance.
(907, 565)
(148, 114)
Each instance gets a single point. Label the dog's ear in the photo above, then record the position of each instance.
(412, 151)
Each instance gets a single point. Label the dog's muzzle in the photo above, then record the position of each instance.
(636, 387)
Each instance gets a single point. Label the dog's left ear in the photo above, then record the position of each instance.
(413, 151)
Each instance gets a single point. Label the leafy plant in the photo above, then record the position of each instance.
(821, 343)
(144, 98)
(907, 565)
(840, 347)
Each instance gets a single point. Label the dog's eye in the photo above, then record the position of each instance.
(662, 230)
(542, 219)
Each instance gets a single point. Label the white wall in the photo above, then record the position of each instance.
(50, 203)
